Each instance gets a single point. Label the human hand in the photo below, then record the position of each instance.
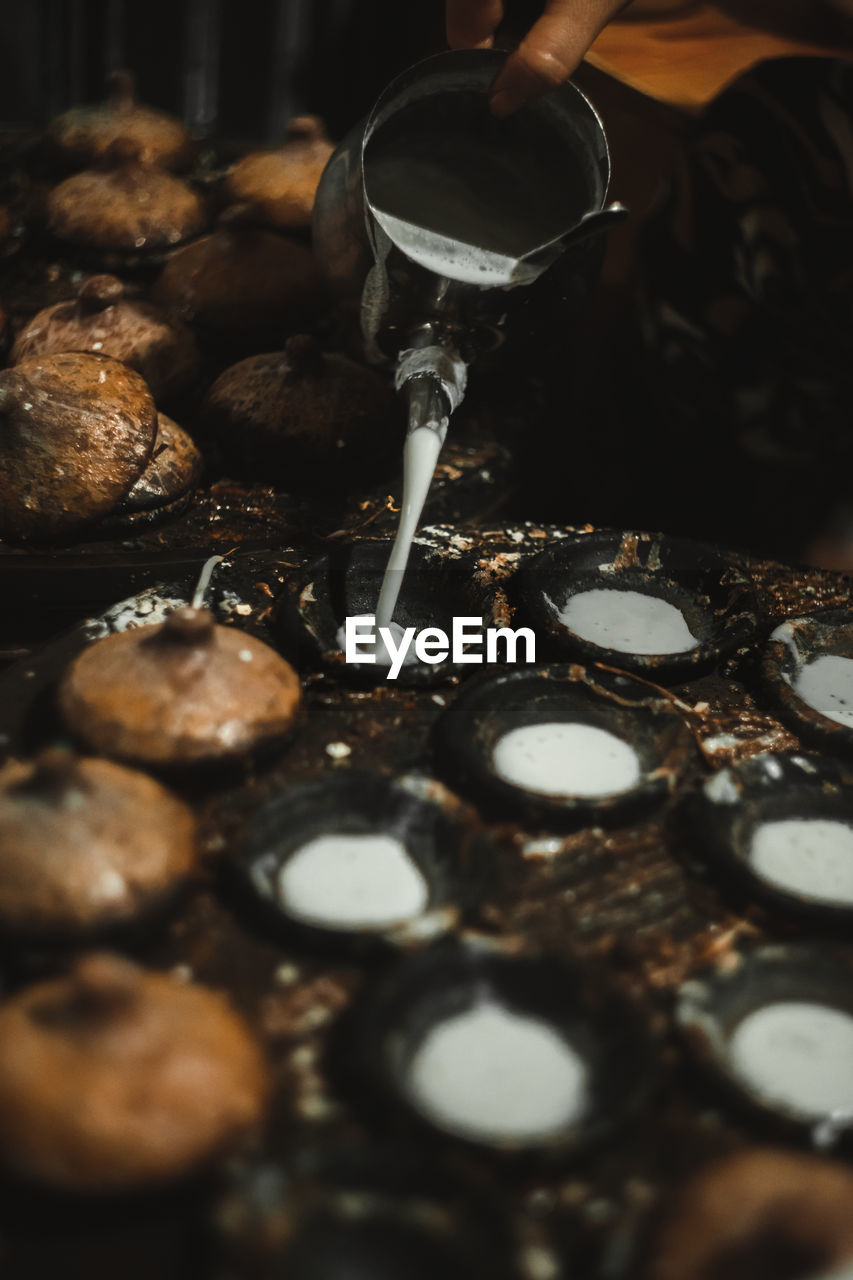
(546, 56)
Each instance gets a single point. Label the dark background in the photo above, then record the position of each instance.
(232, 69)
(228, 68)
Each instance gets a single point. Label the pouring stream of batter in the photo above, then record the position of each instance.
(435, 383)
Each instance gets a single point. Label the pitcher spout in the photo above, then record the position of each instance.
(593, 224)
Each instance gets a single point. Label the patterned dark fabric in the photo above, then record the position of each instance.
(747, 304)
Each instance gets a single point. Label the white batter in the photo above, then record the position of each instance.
(810, 856)
(628, 621)
(491, 1074)
(826, 685)
(352, 882)
(560, 759)
(420, 455)
(798, 1054)
(453, 258)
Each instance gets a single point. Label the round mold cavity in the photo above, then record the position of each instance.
(774, 1026)
(437, 588)
(360, 860)
(688, 600)
(595, 724)
(525, 1055)
(807, 668)
(781, 826)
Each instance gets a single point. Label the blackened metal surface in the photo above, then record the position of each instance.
(634, 903)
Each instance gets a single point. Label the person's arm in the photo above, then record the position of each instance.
(546, 56)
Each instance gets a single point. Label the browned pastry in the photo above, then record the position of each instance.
(76, 432)
(280, 184)
(241, 276)
(86, 844)
(173, 471)
(301, 410)
(114, 1078)
(82, 136)
(758, 1215)
(184, 692)
(102, 319)
(125, 207)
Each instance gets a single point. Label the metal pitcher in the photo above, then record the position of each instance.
(435, 217)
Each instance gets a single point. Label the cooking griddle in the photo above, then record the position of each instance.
(634, 905)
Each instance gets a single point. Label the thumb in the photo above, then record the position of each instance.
(550, 52)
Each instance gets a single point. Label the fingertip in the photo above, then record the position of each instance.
(514, 87)
(503, 102)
